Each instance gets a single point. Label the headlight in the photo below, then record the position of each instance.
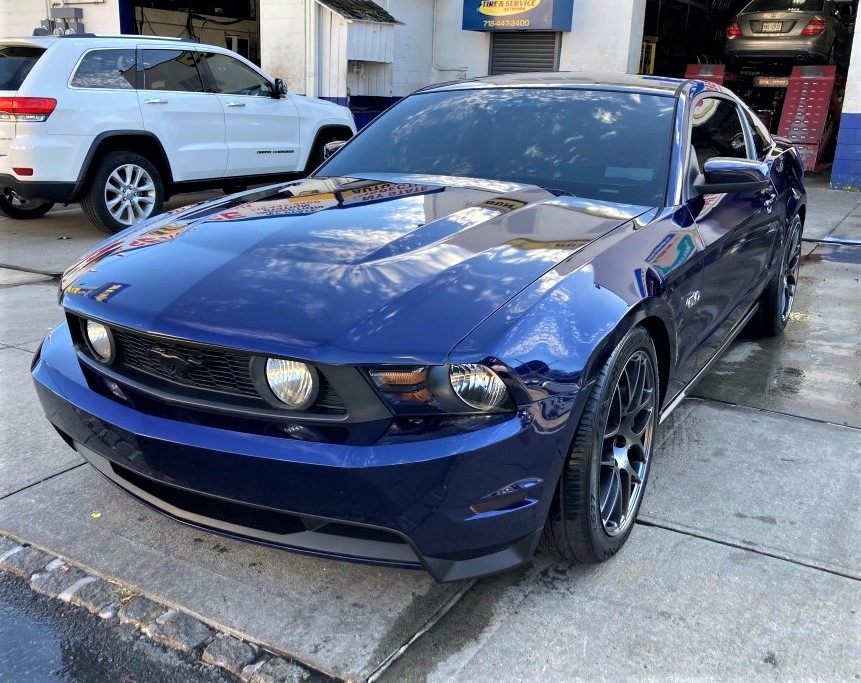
(478, 386)
(459, 388)
(100, 340)
(293, 383)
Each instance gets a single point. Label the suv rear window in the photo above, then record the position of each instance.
(15, 63)
(113, 69)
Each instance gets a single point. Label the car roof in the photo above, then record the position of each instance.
(91, 39)
(570, 79)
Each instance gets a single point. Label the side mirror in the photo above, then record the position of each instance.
(280, 89)
(331, 147)
(728, 174)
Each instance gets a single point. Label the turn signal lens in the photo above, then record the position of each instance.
(293, 383)
(478, 386)
(733, 29)
(399, 380)
(814, 27)
(100, 340)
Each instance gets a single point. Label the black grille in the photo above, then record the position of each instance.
(203, 368)
(211, 369)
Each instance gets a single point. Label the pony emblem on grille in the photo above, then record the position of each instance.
(173, 364)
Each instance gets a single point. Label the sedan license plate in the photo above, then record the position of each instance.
(772, 26)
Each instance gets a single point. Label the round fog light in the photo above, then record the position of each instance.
(478, 386)
(100, 340)
(292, 382)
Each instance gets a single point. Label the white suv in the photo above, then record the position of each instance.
(121, 123)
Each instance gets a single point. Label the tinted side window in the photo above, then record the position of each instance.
(113, 69)
(716, 130)
(171, 70)
(235, 78)
(15, 64)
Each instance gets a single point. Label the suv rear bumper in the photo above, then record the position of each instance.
(43, 191)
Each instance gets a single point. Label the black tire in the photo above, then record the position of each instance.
(316, 157)
(583, 524)
(775, 304)
(124, 188)
(22, 209)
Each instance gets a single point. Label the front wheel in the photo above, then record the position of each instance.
(775, 305)
(22, 209)
(605, 473)
(125, 188)
(318, 151)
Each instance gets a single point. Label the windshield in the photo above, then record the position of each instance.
(611, 146)
(15, 64)
(783, 5)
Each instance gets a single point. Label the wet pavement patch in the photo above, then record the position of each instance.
(814, 369)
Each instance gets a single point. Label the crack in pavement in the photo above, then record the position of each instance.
(646, 520)
(43, 480)
(774, 412)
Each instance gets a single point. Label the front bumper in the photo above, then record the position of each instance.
(397, 504)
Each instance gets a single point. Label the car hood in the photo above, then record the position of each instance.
(337, 270)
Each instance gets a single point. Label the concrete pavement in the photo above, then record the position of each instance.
(745, 564)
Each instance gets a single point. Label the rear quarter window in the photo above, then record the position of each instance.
(16, 61)
(111, 69)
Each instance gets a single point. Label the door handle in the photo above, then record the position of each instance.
(235, 104)
(156, 100)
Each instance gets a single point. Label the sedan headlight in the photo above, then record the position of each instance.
(100, 341)
(293, 383)
(478, 386)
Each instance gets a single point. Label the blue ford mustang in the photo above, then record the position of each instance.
(454, 341)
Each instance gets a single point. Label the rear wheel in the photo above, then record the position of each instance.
(775, 305)
(605, 474)
(22, 209)
(125, 188)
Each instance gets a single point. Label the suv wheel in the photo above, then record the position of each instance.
(22, 209)
(125, 188)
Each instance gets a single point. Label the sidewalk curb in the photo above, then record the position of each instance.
(59, 579)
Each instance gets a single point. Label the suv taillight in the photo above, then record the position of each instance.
(814, 27)
(733, 29)
(21, 109)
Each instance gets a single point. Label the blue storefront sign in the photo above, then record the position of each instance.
(517, 15)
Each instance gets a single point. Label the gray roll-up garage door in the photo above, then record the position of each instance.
(524, 51)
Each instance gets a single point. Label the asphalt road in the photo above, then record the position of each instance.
(745, 563)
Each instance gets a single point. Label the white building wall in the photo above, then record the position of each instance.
(282, 41)
(370, 42)
(429, 45)
(606, 35)
(333, 31)
(369, 78)
(20, 17)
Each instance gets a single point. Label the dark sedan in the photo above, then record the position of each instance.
(796, 31)
(456, 340)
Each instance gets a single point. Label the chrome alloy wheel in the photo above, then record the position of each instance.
(627, 443)
(129, 194)
(789, 272)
